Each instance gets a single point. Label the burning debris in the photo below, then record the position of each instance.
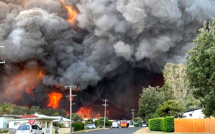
(106, 45)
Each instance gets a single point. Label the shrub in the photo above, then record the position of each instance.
(155, 124)
(5, 131)
(167, 124)
(163, 125)
(78, 126)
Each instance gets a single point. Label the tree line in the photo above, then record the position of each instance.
(8, 108)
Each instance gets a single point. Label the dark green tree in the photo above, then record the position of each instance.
(201, 67)
(170, 108)
(6, 108)
(149, 102)
(20, 110)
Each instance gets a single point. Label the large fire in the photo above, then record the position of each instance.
(72, 13)
(87, 113)
(54, 99)
(25, 81)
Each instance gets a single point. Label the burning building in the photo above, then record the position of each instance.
(110, 48)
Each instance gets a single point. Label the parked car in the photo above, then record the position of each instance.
(144, 125)
(124, 124)
(115, 124)
(29, 129)
(91, 126)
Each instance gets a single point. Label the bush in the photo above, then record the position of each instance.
(155, 124)
(78, 126)
(5, 131)
(167, 124)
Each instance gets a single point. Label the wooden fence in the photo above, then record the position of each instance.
(195, 125)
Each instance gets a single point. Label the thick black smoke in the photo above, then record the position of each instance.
(145, 34)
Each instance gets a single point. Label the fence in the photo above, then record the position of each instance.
(12, 131)
(194, 125)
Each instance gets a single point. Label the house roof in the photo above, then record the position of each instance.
(192, 110)
(9, 115)
(28, 116)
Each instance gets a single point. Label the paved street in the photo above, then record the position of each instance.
(114, 131)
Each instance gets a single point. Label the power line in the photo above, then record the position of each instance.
(132, 112)
(105, 105)
(70, 97)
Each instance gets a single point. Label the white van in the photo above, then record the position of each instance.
(29, 129)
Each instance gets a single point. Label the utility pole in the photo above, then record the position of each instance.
(70, 98)
(132, 112)
(2, 62)
(105, 105)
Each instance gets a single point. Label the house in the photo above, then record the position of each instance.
(61, 120)
(4, 120)
(43, 121)
(194, 113)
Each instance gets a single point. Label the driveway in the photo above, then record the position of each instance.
(113, 131)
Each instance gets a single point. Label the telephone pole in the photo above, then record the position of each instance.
(132, 112)
(70, 98)
(105, 105)
(2, 62)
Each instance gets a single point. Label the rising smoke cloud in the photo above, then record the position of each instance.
(108, 33)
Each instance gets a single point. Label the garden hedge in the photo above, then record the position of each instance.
(78, 126)
(165, 124)
(155, 124)
(168, 124)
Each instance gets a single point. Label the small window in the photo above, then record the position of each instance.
(16, 123)
(34, 127)
(190, 115)
(48, 123)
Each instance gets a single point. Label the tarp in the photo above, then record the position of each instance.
(194, 125)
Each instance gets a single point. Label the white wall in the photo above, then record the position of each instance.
(1, 122)
(194, 114)
(15, 124)
(4, 121)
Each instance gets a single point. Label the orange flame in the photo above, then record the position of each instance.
(67, 113)
(54, 99)
(72, 13)
(87, 113)
(24, 81)
(98, 115)
(28, 90)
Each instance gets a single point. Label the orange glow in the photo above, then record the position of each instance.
(28, 90)
(87, 113)
(54, 99)
(72, 13)
(67, 113)
(23, 82)
(98, 115)
(107, 112)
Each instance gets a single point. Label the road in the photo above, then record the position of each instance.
(114, 131)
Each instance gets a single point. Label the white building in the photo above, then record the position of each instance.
(4, 120)
(194, 113)
(43, 121)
